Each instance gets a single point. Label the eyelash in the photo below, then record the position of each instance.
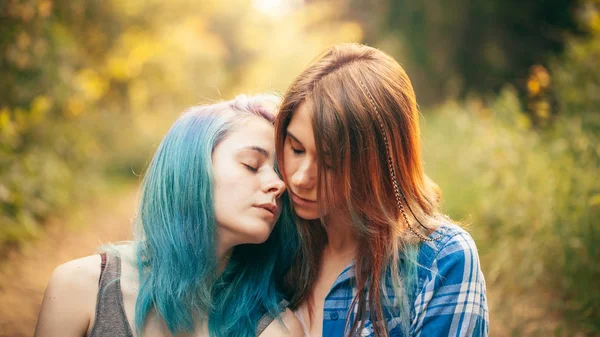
(250, 168)
(296, 151)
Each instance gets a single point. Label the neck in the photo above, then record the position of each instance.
(225, 244)
(223, 256)
(341, 238)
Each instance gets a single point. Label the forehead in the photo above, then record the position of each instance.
(300, 125)
(252, 131)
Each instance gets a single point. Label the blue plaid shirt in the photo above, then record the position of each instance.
(450, 295)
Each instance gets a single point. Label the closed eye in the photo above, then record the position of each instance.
(294, 145)
(250, 168)
(297, 151)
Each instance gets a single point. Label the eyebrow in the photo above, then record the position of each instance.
(257, 149)
(293, 137)
(328, 154)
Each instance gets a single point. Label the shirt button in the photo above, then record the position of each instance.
(334, 316)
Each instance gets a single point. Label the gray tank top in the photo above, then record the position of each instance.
(111, 320)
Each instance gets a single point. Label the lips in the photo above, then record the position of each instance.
(269, 207)
(301, 201)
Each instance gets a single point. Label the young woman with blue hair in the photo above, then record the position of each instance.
(214, 236)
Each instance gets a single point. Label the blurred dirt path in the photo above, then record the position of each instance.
(25, 273)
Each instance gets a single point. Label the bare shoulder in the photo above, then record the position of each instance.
(292, 327)
(81, 273)
(76, 281)
(71, 293)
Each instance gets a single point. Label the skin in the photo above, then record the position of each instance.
(245, 183)
(244, 160)
(300, 166)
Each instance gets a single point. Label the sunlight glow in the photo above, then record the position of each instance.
(276, 7)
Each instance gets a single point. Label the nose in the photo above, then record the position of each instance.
(305, 176)
(275, 185)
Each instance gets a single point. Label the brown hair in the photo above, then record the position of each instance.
(366, 129)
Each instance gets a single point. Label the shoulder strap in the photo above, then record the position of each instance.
(266, 319)
(110, 318)
(102, 265)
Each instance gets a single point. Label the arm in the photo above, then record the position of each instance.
(70, 299)
(453, 301)
(292, 328)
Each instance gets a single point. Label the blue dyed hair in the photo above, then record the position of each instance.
(176, 233)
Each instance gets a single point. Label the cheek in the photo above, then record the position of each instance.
(222, 201)
(229, 194)
(289, 167)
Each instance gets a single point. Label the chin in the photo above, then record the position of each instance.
(306, 214)
(257, 239)
(259, 233)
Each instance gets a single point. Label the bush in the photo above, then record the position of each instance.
(532, 198)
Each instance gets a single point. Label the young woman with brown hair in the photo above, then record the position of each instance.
(377, 257)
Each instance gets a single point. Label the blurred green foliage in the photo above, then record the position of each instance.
(88, 88)
(533, 199)
(531, 194)
(457, 47)
(526, 184)
(47, 81)
(575, 73)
